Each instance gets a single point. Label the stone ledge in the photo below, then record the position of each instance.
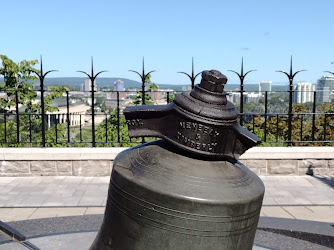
(77, 154)
(46, 154)
(279, 153)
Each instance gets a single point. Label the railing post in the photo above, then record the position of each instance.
(313, 115)
(68, 116)
(167, 97)
(277, 128)
(265, 114)
(290, 112)
(118, 121)
(80, 128)
(30, 128)
(325, 126)
(106, 128)
(93, 114)
(301, 127)
(43, 112)
(17, 116)
(56, 129)
(5, 120)
(242, 101)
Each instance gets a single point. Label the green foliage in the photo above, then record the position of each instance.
(16, 76)
(302, 126)
(110, 127)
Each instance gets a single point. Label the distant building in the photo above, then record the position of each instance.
(119, 85)
(264, 86)
(303, 92)
(88, 85)
(325, 85)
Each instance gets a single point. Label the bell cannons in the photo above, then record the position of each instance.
(188, 190)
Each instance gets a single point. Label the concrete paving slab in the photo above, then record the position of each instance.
(305, 213)
(17, 214)
(14, 245)
(95, 210)
(64, 241)
(277, 212)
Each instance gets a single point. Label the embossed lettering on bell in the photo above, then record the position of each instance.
(187, 190)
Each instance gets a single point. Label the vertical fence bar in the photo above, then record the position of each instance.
(118, 121)
(56, 128)
(290, 113)
(43, 111)
(5, 120)
(313, 115)
(325, 126)
(106, 128)
(277, 128)
(241, 103)
(253, 123)
(17, 116)
(68, 116)
(265, 114)
(167, 97)
(30, 128)
(80, 129)
(301, 127)
(93, 113)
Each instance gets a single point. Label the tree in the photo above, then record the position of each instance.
(19, 90)
(16, 87)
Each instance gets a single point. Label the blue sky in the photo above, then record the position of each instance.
(169, 33)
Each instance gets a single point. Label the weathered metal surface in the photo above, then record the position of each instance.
(201, 121)
(160, 198)
(172, 193)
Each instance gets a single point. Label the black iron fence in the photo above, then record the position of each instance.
(86, 120)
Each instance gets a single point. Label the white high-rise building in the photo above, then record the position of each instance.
(119, 85)
(88, 85)
(303, 92)
(264, 86)
(325, 85)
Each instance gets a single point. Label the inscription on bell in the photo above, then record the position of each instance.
(199, 128)
(194, 139)
(135, 122)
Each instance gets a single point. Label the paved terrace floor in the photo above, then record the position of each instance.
(22, 198)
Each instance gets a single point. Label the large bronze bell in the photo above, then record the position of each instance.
(188, 190)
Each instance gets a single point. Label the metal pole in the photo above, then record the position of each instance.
(241, 101)
(301, 127)
(80, 129)
(118, 121)
(167, 97)
(277, 128)
(291, 75)
(325, 127)
(30, 127)
(106, 128)
(313, 115)
(242, 77)
(5, 120)
(41, 80)
(92, 78)
(56, 128)
(265, 114)
(17, 117)
(43, 110)
(192, 77)
(290, 112)
(68, 116)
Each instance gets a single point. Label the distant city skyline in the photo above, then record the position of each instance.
(217, 34)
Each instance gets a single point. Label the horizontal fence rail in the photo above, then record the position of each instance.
(277, 117)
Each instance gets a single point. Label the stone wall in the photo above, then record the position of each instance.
(99, 161)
